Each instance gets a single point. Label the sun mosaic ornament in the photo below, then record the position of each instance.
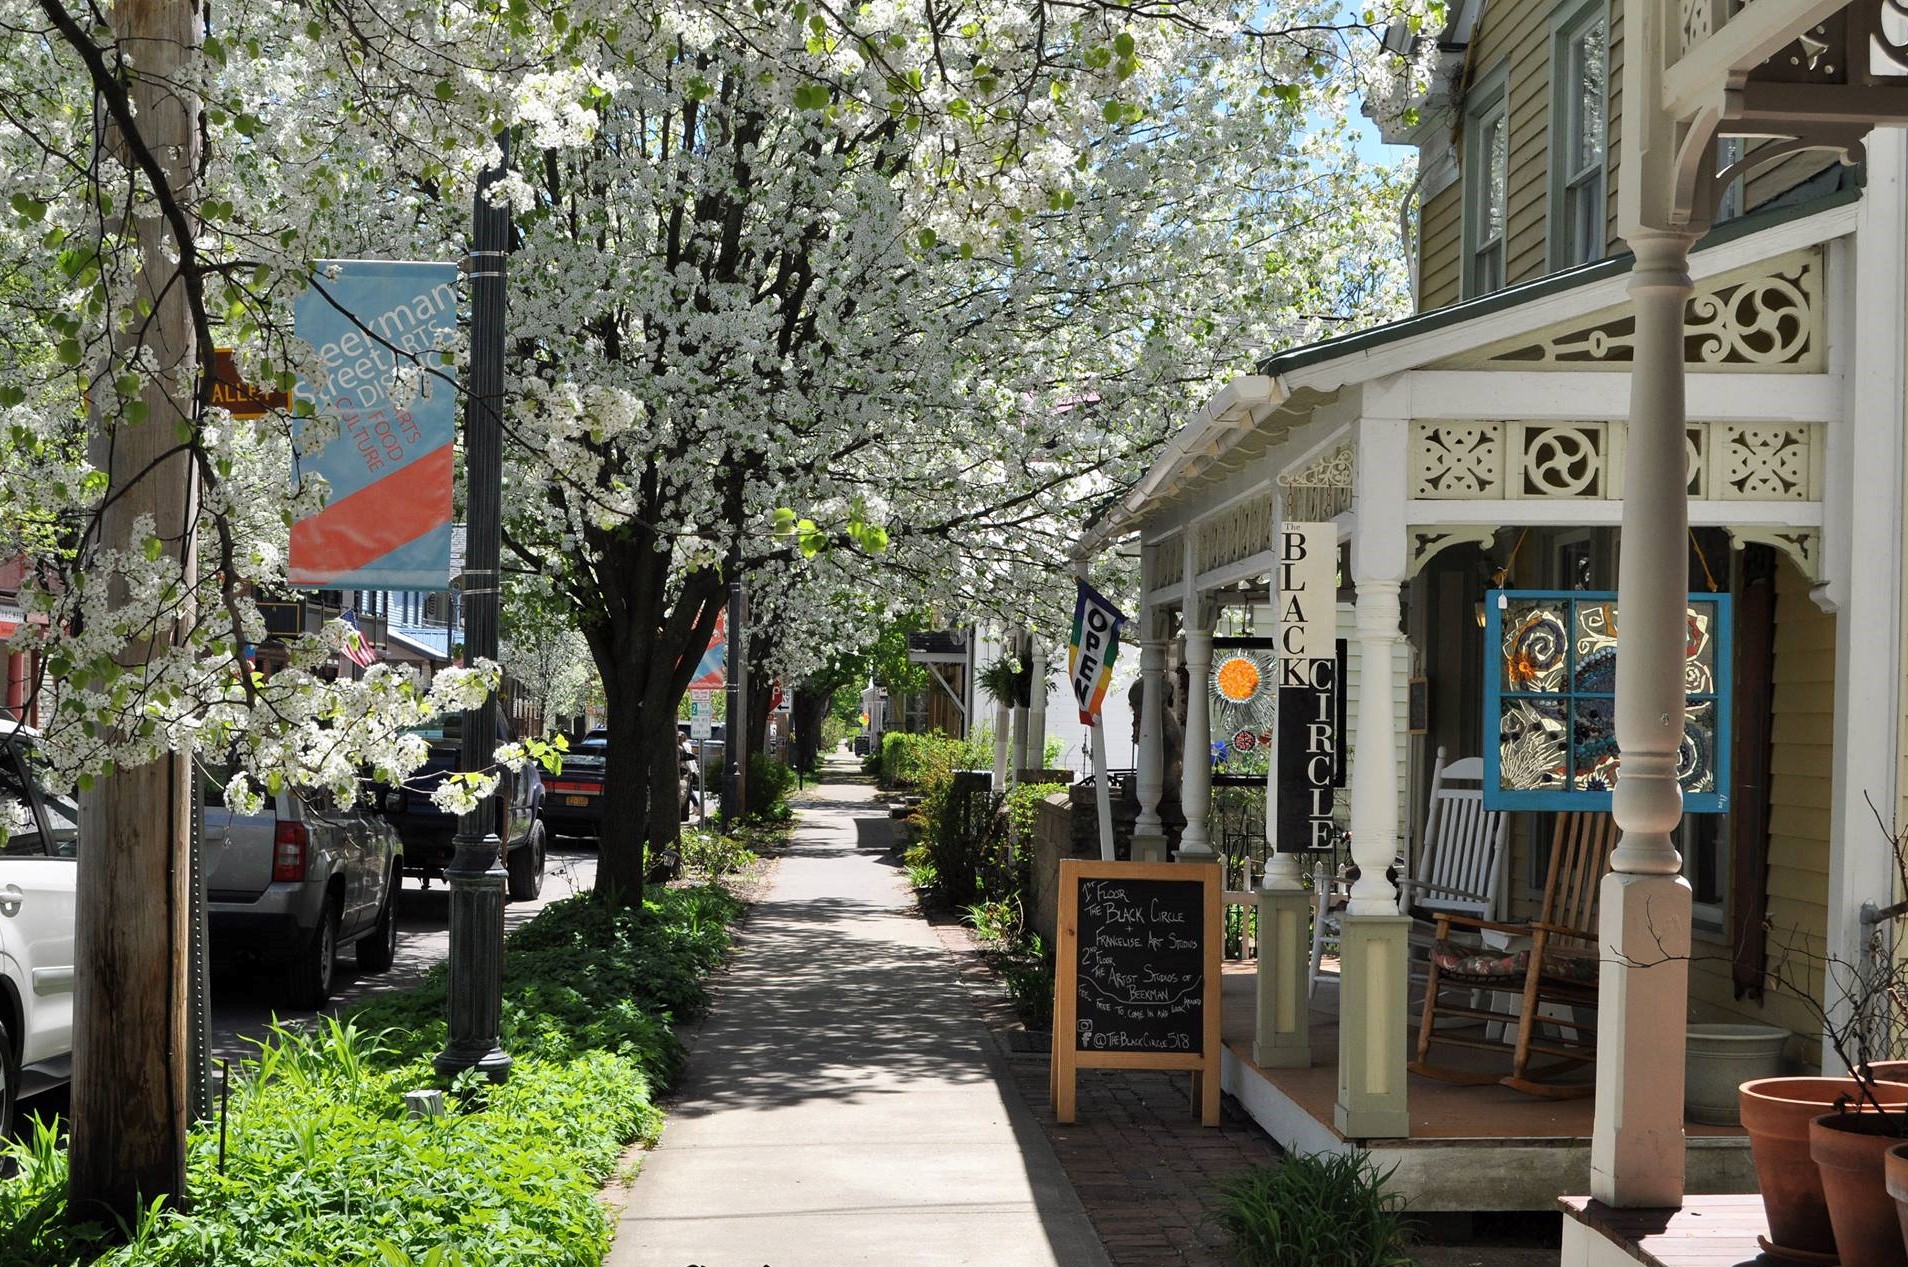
(1243, 695)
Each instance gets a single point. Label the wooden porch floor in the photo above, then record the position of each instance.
(1471, 1147)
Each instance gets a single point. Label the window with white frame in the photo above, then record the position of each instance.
(1579, 136)
(1486, 187)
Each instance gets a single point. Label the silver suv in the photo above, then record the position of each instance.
(297, 881)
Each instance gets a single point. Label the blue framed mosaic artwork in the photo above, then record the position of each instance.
(1550, 701)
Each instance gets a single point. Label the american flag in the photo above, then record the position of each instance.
(357, 647)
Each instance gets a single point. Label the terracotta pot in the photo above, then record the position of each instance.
(1890, 1070)
(1776, 1112)
(1849, 1149)
(1895, 1178)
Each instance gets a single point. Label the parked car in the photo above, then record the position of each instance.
(429, 834)
(296, 882)
(573, 797)
(38, 866)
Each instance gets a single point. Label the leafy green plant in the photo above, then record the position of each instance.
(770, 782)
(1323, 1210)
(323, 1166)
(1005, 681)
(714, 855)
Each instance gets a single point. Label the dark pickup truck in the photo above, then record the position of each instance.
(429, 833)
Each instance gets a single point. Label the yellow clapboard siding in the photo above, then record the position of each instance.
(1811, 764)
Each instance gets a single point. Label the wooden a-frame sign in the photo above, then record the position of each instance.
(1137, 974)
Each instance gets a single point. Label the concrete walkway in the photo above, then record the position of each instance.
(844, 1105)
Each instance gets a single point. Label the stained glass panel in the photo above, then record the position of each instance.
(1552, 695)
(1536, 650)
(1530, 737)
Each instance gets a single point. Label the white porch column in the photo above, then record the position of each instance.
(1149, 833)
(1037, 706)
(1195, 783)
(1636, 1148)
(1861, 548)
(1003, 728)
(1373, 942)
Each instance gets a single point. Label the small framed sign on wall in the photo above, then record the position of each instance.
(1418, 706)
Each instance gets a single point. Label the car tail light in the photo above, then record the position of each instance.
(289, 843)
(559, 785)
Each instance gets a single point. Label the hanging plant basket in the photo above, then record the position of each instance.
(1007, 681)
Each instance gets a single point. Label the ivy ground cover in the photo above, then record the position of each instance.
(323, 1165)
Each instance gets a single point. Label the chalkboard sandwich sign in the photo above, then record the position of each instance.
(1137, 977)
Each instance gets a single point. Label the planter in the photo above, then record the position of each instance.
(1719, 1059)
(1895, 1178)
(1776, 1112)
(1849, 1151)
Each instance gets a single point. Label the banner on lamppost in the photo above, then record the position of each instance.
(1094, 646)
(387, 522)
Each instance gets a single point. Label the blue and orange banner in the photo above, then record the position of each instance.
(387, 523)
(1091, 651)
(712, 669)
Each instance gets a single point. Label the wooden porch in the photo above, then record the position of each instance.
(1471, 1147)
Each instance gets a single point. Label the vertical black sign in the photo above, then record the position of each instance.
(1141, 966)
(1310, 752)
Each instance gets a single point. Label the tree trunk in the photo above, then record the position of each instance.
(129, 1001)
(626, 809)
(810, 710)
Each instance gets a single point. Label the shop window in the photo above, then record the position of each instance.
(1550, 701)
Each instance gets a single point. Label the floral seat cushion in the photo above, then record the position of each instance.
(1567, 963)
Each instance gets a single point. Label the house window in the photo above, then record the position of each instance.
(1486, 186)
(1580, 114)
(1550, 701)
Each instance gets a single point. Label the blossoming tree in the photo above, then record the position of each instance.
(798, 290)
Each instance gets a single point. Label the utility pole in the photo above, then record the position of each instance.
(130, 1091)
(735, 765)
(476, 875)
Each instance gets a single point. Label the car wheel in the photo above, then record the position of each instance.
(9, 1078)
(308, 983)
(526, 867)
(379, 946)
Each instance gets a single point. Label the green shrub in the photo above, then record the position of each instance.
(714, 855)
(324, 1167)
(770, 782)
(1316, 1211)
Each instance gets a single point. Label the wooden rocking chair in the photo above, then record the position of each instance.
(1558, 967)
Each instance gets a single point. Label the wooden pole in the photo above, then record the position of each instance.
(130, 1091)
(1102, 795)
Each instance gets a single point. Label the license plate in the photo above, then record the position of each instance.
(576, 800)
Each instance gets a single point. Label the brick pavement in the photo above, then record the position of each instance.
(1143, 1167)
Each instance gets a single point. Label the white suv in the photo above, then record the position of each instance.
(37, 867)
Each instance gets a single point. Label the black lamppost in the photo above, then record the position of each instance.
(476, 874)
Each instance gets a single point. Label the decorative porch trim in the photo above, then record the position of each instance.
(1236, 533)
(1518, 460)
(1802, 545)
(1168, 561)
(1425, 543)
(1768, 317)
(1322, 489)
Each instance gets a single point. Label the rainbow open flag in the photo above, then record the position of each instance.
(1093, 649)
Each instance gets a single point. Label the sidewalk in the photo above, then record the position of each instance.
(844, 1105)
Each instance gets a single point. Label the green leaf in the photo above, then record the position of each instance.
(928, 239)
(1123, 44)
(1110, 112)
(444, 90)
(154, 547)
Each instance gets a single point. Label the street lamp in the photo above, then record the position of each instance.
(476, 874)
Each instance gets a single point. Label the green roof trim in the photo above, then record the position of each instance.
(1542, 287)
